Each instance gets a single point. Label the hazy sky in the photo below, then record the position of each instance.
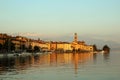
(95, 18)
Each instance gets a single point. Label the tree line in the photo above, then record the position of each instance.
(105, 48)
(9, 46)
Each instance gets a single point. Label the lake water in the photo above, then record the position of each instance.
(62, 66)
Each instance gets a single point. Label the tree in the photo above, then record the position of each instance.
(12, 47)
(22, 47)
(1, 46)
(73, 50)
(106, 48)
(8, 45)
(79, 50)
(94, 47)
(5, 45)
(36, 48)
(30, 47)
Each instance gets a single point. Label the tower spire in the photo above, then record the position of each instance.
(75, 37)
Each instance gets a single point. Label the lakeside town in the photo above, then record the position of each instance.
(9, 43)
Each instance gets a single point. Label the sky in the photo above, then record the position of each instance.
(97, 19)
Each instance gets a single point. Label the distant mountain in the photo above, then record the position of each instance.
(100, 43)
(28, 35)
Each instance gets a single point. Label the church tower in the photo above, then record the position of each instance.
(75, 37)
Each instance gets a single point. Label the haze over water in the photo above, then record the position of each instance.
(65, 66)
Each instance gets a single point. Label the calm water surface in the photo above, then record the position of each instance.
(66, 66)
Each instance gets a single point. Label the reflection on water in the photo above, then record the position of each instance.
(56, 66)
(105, 56)
(54, 59)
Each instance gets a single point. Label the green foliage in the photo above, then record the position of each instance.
(36, 48)
(8, 45)
(95, 48)
(22, 47)
(106, 48)
(1, 46)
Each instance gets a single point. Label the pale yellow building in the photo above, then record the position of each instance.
(60, 46)
(66, 46)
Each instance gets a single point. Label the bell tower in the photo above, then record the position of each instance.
(75, 37)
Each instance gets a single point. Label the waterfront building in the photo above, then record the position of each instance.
(80, 45)
(22, 42)
(60, 46)
(19, 42)
(65, 46)
(53, 46)
(3, 37)
(73, 46)
(44, 46)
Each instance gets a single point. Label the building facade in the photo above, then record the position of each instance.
(22, 42)
(80, 45)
